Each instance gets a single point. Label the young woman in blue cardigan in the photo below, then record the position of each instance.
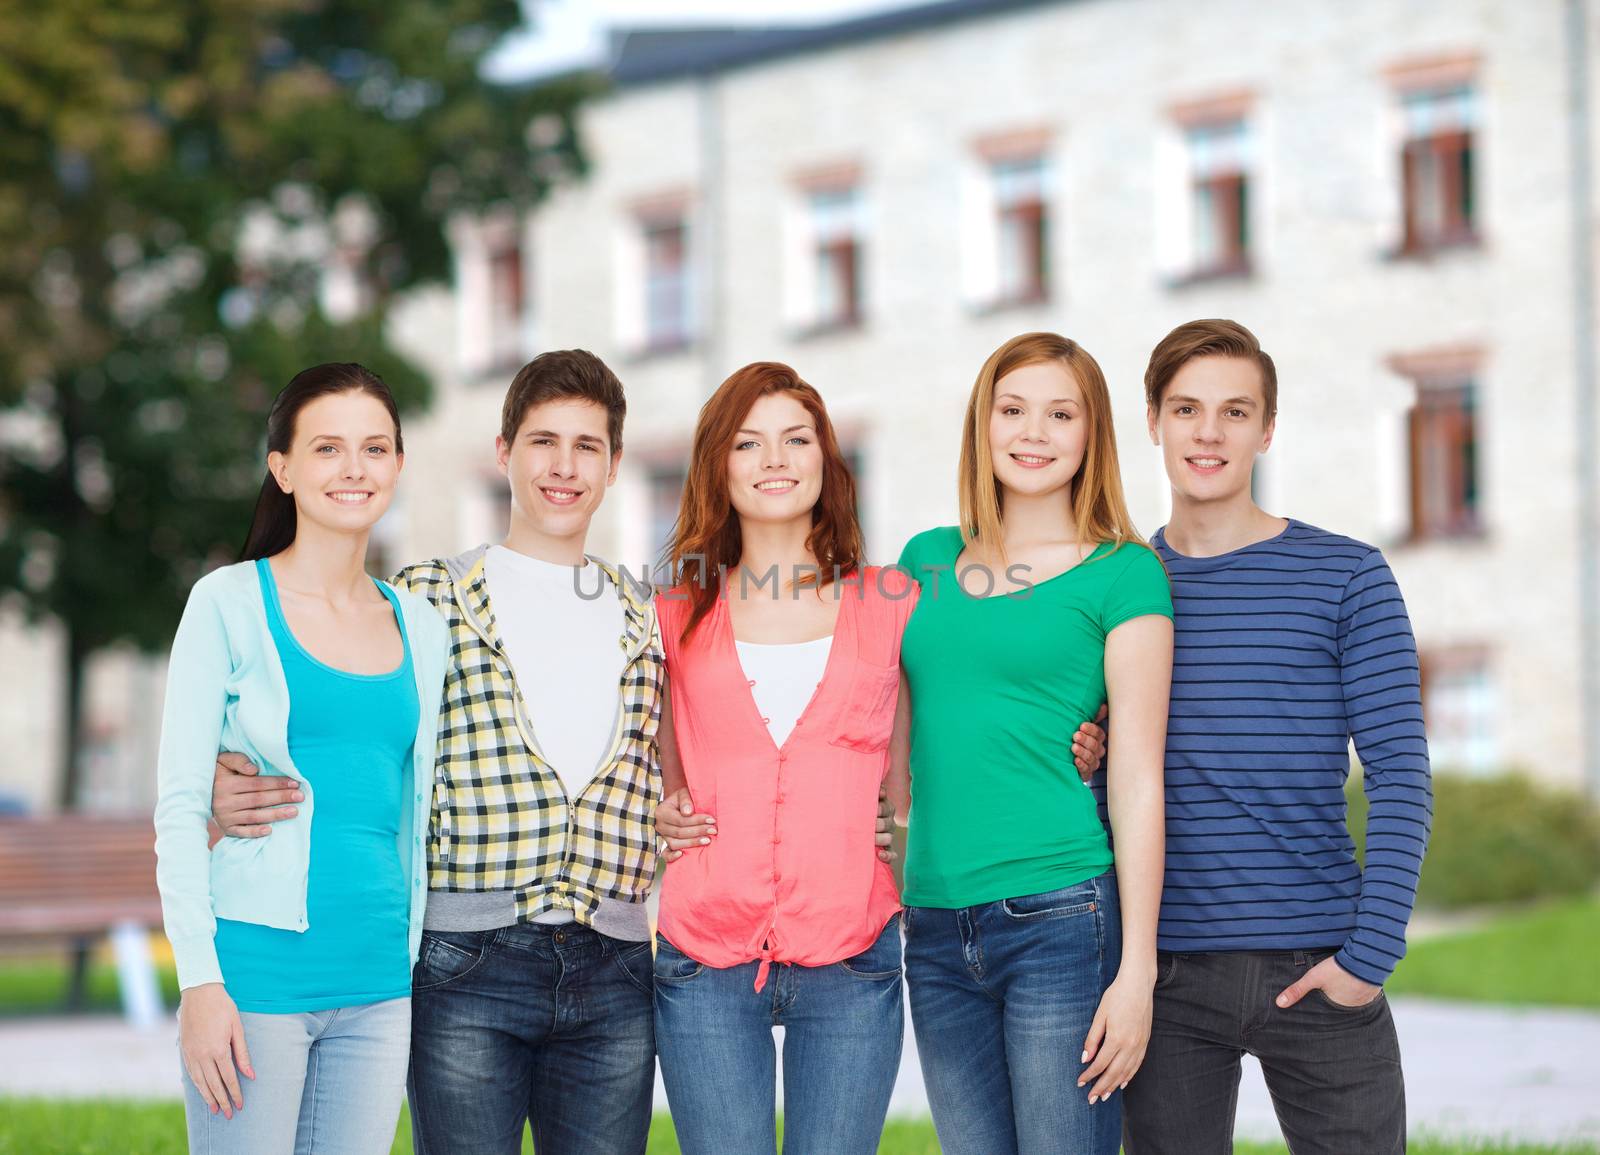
(294, 952)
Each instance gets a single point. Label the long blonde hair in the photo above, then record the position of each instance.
(1099, 510)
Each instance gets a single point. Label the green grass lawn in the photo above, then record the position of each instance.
(31, 986)
(1549, 955)
(111, 1127)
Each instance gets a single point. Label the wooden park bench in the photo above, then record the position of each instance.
(76, 879)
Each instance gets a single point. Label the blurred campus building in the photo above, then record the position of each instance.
(1380, 189)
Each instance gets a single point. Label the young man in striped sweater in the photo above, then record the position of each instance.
(1290, 642)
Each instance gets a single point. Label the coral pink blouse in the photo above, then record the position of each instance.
(793, 874)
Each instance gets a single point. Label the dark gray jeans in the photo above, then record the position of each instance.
(1333, 1071)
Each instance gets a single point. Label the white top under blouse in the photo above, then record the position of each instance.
(783, 678)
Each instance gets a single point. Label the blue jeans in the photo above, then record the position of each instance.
(328, 1082)
(551, 1024)
(1002, 996)
(844, 1027)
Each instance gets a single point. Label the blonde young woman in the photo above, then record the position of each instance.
(1030, 957)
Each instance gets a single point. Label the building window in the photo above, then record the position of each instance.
(1460, 708)
(836, 248)
(1437, 163)
(1022, 230)
(507, 304)
(1219, 197)
(666, 495)
(666, 283)
(1443, 437)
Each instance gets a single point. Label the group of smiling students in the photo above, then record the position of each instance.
(406, 831)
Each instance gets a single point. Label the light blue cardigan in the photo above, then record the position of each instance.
(226, 691)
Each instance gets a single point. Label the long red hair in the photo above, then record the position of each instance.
(706, 542)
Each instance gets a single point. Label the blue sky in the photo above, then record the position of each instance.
(568, 33)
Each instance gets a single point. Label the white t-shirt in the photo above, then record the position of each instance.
(783, 678)
(565, 647)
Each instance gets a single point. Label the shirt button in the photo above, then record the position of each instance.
(776, 839)
(766, 721)
(752, 681)
(776, 877)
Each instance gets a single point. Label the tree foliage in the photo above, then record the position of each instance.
(183, 186)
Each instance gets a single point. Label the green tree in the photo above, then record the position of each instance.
(176, 178)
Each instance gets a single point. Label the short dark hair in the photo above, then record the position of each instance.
(1208, 338)
(564, 374)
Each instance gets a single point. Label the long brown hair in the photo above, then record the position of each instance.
(706, 541)
(1099, 510)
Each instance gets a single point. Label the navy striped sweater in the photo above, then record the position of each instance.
(1285, 651)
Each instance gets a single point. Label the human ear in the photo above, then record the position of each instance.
(278, 466)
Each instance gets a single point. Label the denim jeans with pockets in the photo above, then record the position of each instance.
(1002, 997)
(843, 1030)
(1333, 1071)
(327, 1083)
(531, 1023)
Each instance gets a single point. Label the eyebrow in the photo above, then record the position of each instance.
(1187, 400)
(791, 429)
(557, 436)
(336, 437)
(1053, 401)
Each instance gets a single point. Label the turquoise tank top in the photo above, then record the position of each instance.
(351, 737)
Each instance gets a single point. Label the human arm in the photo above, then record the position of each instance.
(897, 779)
(1138, 669)
(676, 822)
(210, 1035)
(1379, 674)
(191, 733)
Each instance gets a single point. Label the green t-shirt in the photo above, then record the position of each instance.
(998, 686)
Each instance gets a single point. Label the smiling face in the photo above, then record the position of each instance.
(1211, 425)
(1037, 429)
(559, 467)
(342, 465)
(775, 465)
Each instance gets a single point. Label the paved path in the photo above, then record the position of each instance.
(1470, 1070)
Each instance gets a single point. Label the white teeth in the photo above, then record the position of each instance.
(775, 485)
(350, 498)
(1206, 462)
(1027, 459)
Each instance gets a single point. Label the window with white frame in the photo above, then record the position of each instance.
(1442, 427)
(507, 303)
(1461, 707)
(1438, 160)
(1022, 228)
(665, 244)
(835, 224)
(665, 497)
(1218, 155)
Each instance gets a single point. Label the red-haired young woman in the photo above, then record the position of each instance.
(783, 655)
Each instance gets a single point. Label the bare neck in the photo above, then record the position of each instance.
(326, 565)
(526, 539)
(767, 544)
(1031, 519)
(1211, 528)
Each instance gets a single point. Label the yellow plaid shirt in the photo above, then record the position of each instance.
(501, 820)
